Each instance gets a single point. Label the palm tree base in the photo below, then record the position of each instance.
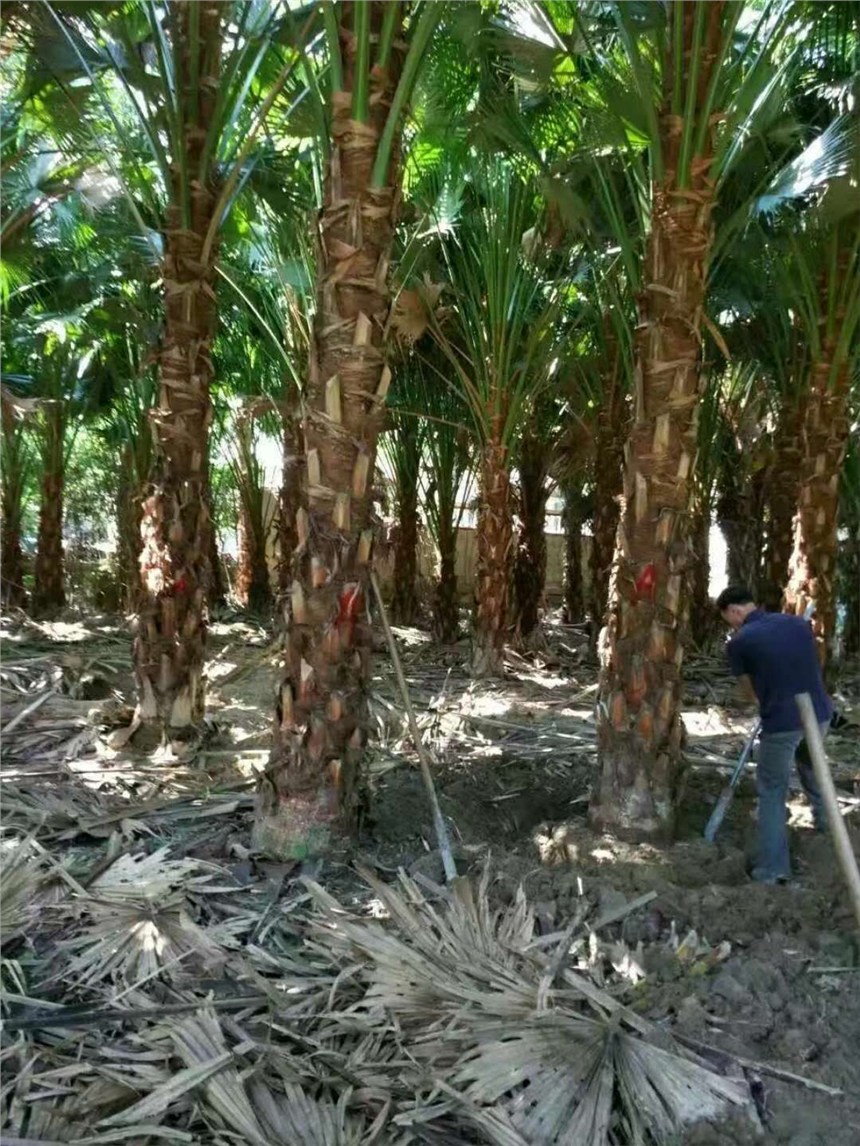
(487, 658)
(294, 829)
(629, 805)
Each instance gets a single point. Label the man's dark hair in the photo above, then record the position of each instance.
(734, 595)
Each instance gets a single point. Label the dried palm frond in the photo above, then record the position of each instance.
(521, 1061)
(258, 1112)
(52, 811)
(22, 873)
(149, 877)
(296, 1117)
(137, 923)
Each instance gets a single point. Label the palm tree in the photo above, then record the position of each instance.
(64, 385)
(502, 343)
(574, 516)
(36, 177)
(49, 590)
(177, 81)
(813, 216)
(772, 339)
(320, 712)
(446, 481)
(533, 455)
(256, 517)
(703, 79)
(740, 472)
(403, 448)
(169, 645)
(17, 462)
(831, 321)
(268, 270)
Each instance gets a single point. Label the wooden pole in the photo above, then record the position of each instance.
(838, 831)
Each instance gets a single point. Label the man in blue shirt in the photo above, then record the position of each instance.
(774, 655)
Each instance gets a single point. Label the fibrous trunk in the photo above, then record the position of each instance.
(530, 561)
(740, 515)
(289, 503)
(703, 617)
(781, 489)
(642, 648)
(404, 599)
(253, 588)
(851, 587)
(611, 433)
(49, 595)
(128, 515)
(495, 535)
(446, 603)
(812, 567)
(319, 733)
(176, 564)
(216, 587)
(12, 592)
(573, 521)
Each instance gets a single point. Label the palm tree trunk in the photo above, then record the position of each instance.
(639, 723)
(128, 517)
(740, 515)
(253, 586)
(781, 490)
(493, 568)
(216, 585)
(320, 725)
(851, 584)
(574, 589)
(611, 433)
(812, 567)
(289, 503)
(530, 562)
(176, 527)
(404, 600)
(446, 607)
(703, 616)
(12, 592)
(49, 595)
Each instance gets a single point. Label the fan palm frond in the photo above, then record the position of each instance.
(534, 1064)
(136, 923)
(22, 874)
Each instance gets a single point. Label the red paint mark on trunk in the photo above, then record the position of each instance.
(646, 582)
(349, 603)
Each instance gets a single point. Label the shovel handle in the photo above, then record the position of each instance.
(835, 823)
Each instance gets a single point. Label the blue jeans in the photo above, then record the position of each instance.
(777, 752)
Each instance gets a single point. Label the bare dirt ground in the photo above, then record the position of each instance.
(769, 976)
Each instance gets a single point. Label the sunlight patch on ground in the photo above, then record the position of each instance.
(66, 632)
(410, 637)
(231, 705)
(487, 705)
(544, 680)
(713, 722)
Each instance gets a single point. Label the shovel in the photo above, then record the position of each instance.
(722, 805)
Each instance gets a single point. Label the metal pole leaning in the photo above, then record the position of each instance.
(841, 841)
